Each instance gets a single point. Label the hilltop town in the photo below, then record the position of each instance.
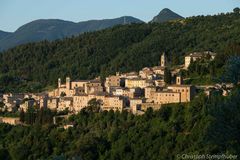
(134, 91)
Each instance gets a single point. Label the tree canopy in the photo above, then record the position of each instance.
(207, 125)
(34, 66)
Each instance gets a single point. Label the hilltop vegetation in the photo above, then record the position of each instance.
(52, 29)
(125, 48)
(205, 126)
(166, 15)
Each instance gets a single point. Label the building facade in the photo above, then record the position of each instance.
(198, 55)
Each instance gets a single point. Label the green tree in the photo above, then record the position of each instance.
(236, 10)
(232, 72)
(22, 116)
(4, 154)
(175, 59)
(63, 94)
(94, 105)
(167, 76)
(114, 50)
(30, 115)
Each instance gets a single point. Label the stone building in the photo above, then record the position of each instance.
(198, 55)
(114, 103)
(63, 89)
(130, 75)
(27, 103)
(80, 102)
(154, 106)
(146, 73)
(159, 83)
(113, 81)
(43, 102)
(52, 103)
(187, 91)
(10, 97)
(108, 102)
(12, 101)
(138, 83)
(10, 120)
(93, 86)
(160, 70)
(70, 88)
(128, 92)
(165, 97)
(65, 103)
(132, 91)
(135, 104)
(148, 91)
(172, 94)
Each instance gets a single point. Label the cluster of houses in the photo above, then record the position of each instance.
(134, 91)
(10, 120)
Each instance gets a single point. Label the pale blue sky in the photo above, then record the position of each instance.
(14, 13)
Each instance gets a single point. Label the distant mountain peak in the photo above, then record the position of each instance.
(166, 10)
(52, 29)
(166, 15)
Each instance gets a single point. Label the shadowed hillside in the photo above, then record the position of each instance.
(52, 29)
(33, 66)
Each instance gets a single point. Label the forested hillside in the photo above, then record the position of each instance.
(207, 125)
(34, 66)
(52, 29)
(3, 34)
(166, 15)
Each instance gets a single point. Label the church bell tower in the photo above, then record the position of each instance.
(163, 60)
(68, 83)
(59, 83)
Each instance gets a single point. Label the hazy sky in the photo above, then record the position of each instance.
(14, 13)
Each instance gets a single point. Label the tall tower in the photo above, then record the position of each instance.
(163, 60)
(179, 80)
(59, 82)
(68, 83)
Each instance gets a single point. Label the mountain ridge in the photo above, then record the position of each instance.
(4, 34)
(52, 29)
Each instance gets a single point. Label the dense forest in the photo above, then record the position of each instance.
(34, 66)
(207, 125)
